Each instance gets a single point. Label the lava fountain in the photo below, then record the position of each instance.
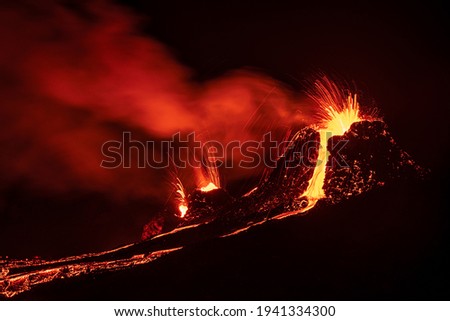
(337, 116)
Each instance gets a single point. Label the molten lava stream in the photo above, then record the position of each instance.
(336, 121)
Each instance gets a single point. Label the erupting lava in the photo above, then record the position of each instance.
(337, 115)
(207, 182)
(183, 209)
(208, 211)
(181, 198)
(77, 76)
(209, 178)
(210, 187)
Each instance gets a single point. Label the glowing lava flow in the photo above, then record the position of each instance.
(20, 276)
(337, 117)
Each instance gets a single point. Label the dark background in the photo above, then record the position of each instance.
(389, 244)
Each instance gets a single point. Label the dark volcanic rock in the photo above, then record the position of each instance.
(280, 189)
(369, 158)
(203, 205)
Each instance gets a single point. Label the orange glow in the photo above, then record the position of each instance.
(183, 209)
(338, 121)
(181, 198)
(41, 272)
(209, 187)
(209, 178)
(337, 115)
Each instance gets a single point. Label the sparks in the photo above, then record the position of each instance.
(337, 115)
(181, 198)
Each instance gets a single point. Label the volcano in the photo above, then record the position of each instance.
(367, 162)
(342, 213)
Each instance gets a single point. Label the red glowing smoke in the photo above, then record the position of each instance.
(74, 77)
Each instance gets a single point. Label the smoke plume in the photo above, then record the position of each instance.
(76, 75)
